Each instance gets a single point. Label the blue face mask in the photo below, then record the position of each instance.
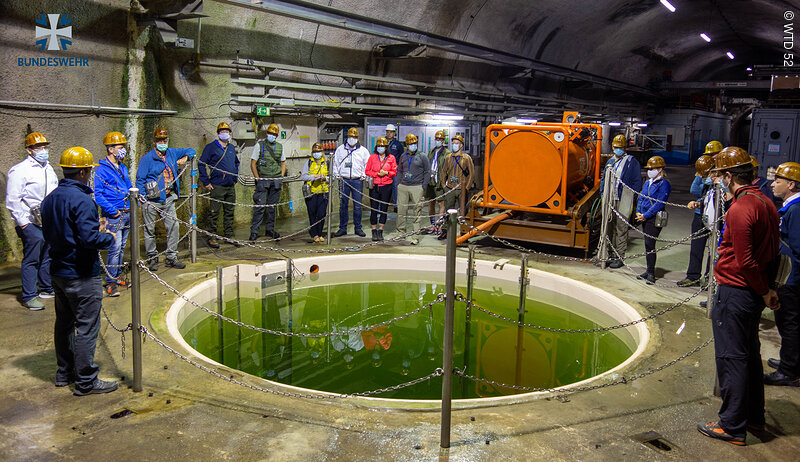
(316, 155)
(120, 154)
(41, 155)
(439, 143)
(708, 181)
(271, 138)
(724, 187)
(381, 149)
(162, 147)
(455, 147)
(619, 152)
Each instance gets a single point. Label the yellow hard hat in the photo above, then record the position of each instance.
(273, 129)
(411, 139)
(353, 131)
(223, 126)
(459, 138)
(713, 147)
(731, 157)
(160, 133)
(656, 162)
(439, 135)
(113, 138)
(619, 142)
(789, 170)
(703, 164)
(754, 161)
(382, 141)
(317, 147)
(35, 138)
(77, 157)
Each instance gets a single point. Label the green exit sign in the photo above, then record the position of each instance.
(283, 134)
(262, 110)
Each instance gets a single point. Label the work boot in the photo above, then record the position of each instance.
(63, 382)
(781, 380)
(175, 263)
(650, 279)
(374, 235)
(704, 304)
(642, 276)
(152, 264)
(442, 236)
(774, 363)
(252, 237)
(272, 234)
(615, 264)
(713, 430)
(98, 386)
(380, 234)
(340, 233)
(360, 233)
(34, 304)
(688, 282)
(213, 243)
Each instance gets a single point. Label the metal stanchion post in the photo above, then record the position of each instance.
(330, 197)
(523, 295)
(238, 318)
(193, 219)
(289, 340)
(468, 318)
(220, 306)
(602, 253)
(136, 290)
(449, 312)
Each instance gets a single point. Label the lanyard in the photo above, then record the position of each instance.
(410, 160)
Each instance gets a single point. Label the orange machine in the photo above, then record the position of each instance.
(540, 183)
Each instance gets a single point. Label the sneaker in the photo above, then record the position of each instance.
(213, 243)
(442, 236)
(272, 235)
(713, 430)
(615, 264)
(360, 233)
(175, 263)
(650, 279)
(111, 290)
(642, 276)
(340, 233)
(98, 387)
(688, 282)
(780, 380)
(123, 284)
(46, 294)
(413, 241)
(153, 264)
(704, 304)
(774, 363)
(34, 304)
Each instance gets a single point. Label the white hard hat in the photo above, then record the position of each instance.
(391, 127)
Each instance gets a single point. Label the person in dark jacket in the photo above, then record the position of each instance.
(699, 188)
(763, 184)
(111, 185)
(746, 256)
(220, 181)
(413, 171)
(651, 201)
(627, 172)
(72, 227)
(786, 187)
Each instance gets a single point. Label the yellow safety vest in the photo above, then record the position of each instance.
(318, 168)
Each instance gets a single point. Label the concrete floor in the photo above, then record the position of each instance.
(187, 414)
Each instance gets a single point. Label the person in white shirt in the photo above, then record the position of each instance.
(28, 183)
(349, 163)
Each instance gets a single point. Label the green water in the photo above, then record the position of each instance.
(404, 350)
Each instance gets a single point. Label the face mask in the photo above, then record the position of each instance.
(162, 147)
(271, 138)
(412, 148)
(725, 187)
(316, 155)
(619, 152)
(438, 143)
(708, 181)
(41, 155)
(381, 149)
(120, 154)
(455, 147)
(224, 136)
(652, 173)
(352, 141)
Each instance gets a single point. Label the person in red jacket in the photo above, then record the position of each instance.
(382, 168)
(750, 244)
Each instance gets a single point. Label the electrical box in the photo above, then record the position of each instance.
(774, 136)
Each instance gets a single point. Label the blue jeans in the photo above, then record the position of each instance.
(348, 189)
(35, 262)
(78, 303)
(120, 226)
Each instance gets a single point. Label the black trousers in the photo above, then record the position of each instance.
(649, 227)
(379, 193)
(227, 194)
(787, 319)
(738, 356)
(697, 249)
(267, 192)
(317, 206)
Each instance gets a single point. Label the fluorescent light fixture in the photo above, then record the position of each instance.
(668, 6)
(614, 124)
(447, 117)
(641, 125)
(527, 121)
(730, 55)
(749, 69)
(705, 37)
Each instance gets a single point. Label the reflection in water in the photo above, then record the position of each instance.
(406, 349)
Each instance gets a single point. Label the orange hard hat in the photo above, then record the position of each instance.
(382, 141)
(439, 135)
(77, 157)
(411, 138)
(619, 142)
(273, 129)
(703, 164)
(713, 147)
(656, 162)
(731, 157)
(459, 138)
(113, 138)
(317, 147)
(789, 170)
(160, 133)
(35, 138)
(223, 126)
(353, 131)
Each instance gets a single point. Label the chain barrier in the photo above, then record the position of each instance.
(436, 373)
(630, 269)
(428, 306)
(690, 237)
(622, 380)
(639, 193)
(121, 331)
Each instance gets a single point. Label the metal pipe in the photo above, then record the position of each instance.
(471, 273)
(289, 343)
(483, 226)
(136, 290)
(330, 197)
(523, 296)
(83, 107)
(449, 312)
(238, 318)
(220, 302)
(193, 218)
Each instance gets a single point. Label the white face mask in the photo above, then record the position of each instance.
(455, 147)
(224, 136)
(316, 155)
(352, 141)
(381, 149)
(41, 155)
(120, 154)
(438, 143)
(271, 138)
(652, 173)
(412, 147)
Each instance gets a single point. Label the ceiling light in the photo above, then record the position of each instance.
(730, 55)
(705, 37)
(641, 125)
(749, 69)
(447, 117)
(614, 124)
(668, 5)
(527, 121)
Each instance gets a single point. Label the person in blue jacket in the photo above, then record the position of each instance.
(157, 180)
(628, 172)
(786, 187)
(654, 192)
(220, 181)
(111, 185)
(72, 227)
(764, 184)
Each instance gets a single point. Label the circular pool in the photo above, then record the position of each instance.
(388, 323)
